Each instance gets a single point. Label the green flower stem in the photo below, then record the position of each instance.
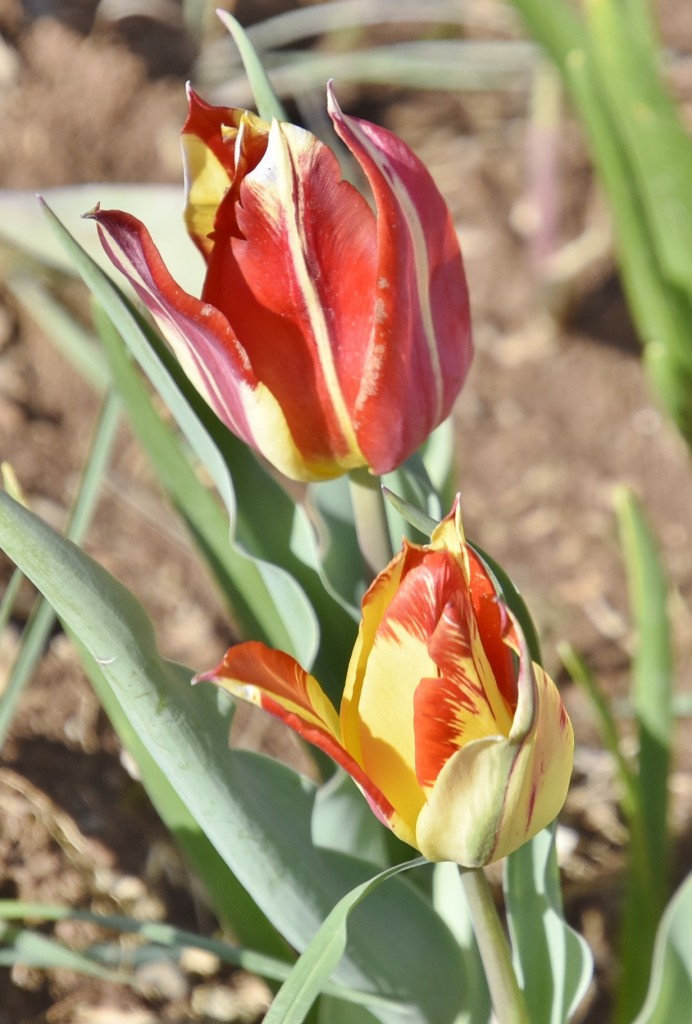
(507, 997)
(372, 528)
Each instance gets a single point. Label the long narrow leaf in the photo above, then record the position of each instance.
(42, 618)
(294, 625)
(268, 106)
(582, 676)
(256, 812)
(552, 960)
(166, 935)
(670, 993)
(652, 689)
(240, 580)
(28, 947)
(317, 962)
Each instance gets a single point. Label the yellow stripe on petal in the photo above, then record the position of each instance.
(449, 535)
(272, 437)
(206, 183)
(374, 605)
(276, 183)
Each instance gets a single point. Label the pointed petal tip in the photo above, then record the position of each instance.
(333, 108)
(92, 214)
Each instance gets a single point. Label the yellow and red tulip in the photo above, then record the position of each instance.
(459, 742)
(327, 336)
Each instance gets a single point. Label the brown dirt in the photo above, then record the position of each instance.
(555, 415)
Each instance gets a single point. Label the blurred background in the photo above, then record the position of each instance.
(556, 413)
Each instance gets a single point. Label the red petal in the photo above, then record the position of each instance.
(298, 286)
(461, 705)
(421, 349)
(199, 334)
(495, 628)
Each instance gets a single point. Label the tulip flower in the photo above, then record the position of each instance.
(328, 336)
(459, 742)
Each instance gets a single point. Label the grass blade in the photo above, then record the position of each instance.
(42, 618)
(166, 935)
(652, 689)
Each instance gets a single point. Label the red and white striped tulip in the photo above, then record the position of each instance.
(459, 742)
(328, 336)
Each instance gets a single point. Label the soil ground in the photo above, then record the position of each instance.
(556, 415)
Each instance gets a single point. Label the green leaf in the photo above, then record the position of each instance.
(652, 700)
(643, 158)
(62, 328)
(315, 965)
(256, 812)
(659, 150)
(412, 500)
(229, 900)
(161, 936)
(30, 948)
(293, 624)
(670, 990)
(42, 618)
(582, 675)
(342, 820)
(324, 538)
(240, 580)
(411, 513)
(553, 962)
(268, 104)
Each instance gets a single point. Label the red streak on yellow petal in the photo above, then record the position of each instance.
(495, 629)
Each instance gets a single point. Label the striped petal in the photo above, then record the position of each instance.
(489, 612)
(275, 681)
(399, 657)
(296, 287)
(208, 350)
(496, 793)
(463, 703)
(420, 349)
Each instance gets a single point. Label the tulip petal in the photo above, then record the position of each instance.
(295, 288)
(276, 682)
(489, 612)
(398, 658)
(464, 703)
(205, 345)
(213, 162)
(495, 794)
(207, 174)
(421, 347)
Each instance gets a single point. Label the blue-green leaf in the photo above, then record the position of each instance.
(318, 961)
(256, 812)
(670, 991)
(552, 961)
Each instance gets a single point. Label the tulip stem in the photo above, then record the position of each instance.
(507, 998)
(372, 528)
